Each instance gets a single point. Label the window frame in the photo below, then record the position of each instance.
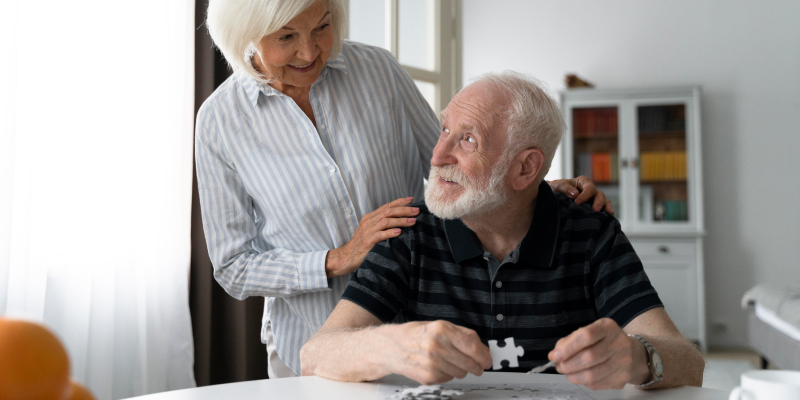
(446, 77)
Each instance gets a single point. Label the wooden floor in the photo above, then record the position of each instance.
(734, 354)
(724, 367)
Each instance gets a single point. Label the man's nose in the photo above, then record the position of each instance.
(443, 153)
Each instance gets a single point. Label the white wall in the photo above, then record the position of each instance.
(746, 57)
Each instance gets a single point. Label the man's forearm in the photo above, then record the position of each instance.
(347, 354)
(683, 363)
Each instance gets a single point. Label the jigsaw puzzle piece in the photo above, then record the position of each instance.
(509, 352)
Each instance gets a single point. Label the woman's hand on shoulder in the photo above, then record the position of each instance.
(377, 226)
(582, 189)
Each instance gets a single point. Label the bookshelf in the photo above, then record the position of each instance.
(642, 148)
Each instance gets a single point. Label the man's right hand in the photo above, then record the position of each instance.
(433, 352)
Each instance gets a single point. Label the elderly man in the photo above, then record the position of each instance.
(495, 254)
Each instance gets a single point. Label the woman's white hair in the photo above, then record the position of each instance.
(534, 118)
(236, 25)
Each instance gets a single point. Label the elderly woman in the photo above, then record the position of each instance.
(307, 156)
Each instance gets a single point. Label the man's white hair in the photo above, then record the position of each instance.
(534, 118)
(236, 25)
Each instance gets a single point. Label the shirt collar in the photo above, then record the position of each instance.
(537, 248)
(252, 87)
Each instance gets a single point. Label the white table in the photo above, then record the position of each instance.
(315, 388)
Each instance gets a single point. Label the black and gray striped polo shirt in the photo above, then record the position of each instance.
(574, 267)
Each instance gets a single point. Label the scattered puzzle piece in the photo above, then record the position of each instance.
(426, 392)
(497, 391)
(509, 352)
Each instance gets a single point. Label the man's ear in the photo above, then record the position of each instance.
(526, 167)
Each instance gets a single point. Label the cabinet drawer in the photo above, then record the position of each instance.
(647, 248)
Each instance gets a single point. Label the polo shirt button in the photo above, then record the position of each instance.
(498, 284)
(347, 211)
(486, 258)
(499, 317)
(322, 126)
(331, 168)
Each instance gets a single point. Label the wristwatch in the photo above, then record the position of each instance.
(653, 362)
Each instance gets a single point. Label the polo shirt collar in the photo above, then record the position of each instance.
(537, 248)
(252, 87)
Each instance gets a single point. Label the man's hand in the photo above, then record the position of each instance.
(436, 351)
(353, 346)
(601, 356)
(581, 189)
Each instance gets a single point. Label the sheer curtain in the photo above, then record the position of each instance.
(96, 116)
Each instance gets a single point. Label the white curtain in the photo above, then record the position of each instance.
(96, 112)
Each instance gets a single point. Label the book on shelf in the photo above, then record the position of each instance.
(658, 119)
(675, 210)
(583, 164)
(594, 122)
(614, 167)
(662, 166)
(601, 167)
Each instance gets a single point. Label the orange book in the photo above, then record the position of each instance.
(601, 167)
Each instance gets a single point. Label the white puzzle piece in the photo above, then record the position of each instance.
(509, 352)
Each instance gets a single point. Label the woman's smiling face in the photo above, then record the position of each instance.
(296, 53)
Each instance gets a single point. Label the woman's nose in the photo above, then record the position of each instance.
(307, 50)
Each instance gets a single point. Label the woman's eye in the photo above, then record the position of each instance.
(323, 26)
(286, 37)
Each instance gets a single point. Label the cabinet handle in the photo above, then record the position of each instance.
(624, 162)
(663, 249)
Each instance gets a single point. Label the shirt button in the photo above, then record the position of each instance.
(322, 126)
(499, 317)
(498, 284)
(348, 211)
(486, 258)
(331, 168)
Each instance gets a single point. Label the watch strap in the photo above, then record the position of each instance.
(649, 350)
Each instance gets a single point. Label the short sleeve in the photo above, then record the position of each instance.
(381, 284)
(621, 288)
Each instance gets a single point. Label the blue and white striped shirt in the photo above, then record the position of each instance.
(278, 193)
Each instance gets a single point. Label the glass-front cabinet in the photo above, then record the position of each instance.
(642, 148)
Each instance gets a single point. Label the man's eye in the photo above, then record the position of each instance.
(470, 139)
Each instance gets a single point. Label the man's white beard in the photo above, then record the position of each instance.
(478, 198)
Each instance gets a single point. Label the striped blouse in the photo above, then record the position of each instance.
(277, 193)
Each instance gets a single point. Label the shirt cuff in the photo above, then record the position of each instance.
(311, 271)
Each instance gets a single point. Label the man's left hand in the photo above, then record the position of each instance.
(601, 356)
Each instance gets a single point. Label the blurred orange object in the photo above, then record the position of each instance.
(33, 363)
(80, 393)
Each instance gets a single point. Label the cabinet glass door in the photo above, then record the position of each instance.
(595, 144)
(663, 189)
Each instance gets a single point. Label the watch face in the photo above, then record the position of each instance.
(657, 365)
